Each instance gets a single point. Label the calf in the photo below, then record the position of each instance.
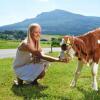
(87, 49)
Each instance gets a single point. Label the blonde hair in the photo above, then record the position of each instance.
(28, 38)
(31, 26)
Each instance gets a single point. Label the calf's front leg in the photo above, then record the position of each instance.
(94, 70)
(77, 72)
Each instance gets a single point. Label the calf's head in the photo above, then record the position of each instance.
(73, 46)
(67, 51)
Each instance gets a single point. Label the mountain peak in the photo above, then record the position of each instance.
(58, 13)
(60, 10)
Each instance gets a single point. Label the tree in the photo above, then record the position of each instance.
(55, 42)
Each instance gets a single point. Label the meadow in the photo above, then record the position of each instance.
(57, 79)
(12, 44)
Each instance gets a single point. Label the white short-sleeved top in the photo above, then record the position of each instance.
(22, 58)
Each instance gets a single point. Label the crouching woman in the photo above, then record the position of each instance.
(27, 63)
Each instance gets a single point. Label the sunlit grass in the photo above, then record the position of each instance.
(57, 78)
(12, 44)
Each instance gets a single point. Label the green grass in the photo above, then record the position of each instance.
(50, 36)
(45, 44)
(57, 78)
(11, 44)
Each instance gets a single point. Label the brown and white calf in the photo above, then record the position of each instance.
(87, 49)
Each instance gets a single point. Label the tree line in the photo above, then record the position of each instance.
(13, 35)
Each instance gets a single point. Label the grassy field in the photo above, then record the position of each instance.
(48, 37)
(58, 77)
(11, 44)
(8, 44)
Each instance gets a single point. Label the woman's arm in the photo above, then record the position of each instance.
(49, 58)
(53, 59)
(27, 47)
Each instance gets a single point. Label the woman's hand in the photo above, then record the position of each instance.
(64, 60)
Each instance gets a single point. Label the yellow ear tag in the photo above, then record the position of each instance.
(68, 41)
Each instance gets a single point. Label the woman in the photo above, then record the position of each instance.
(27, 64)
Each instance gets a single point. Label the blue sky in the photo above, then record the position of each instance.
(12, 11)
